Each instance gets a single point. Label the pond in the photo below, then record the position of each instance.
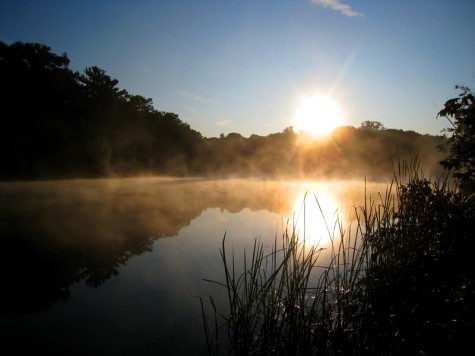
(115, 266)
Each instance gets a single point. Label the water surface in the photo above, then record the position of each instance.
(114, 266)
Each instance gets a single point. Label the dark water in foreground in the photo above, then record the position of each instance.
(114, 266)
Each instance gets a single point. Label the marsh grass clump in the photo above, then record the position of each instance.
(398, 280)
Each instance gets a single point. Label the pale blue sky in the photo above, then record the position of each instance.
(242, 66)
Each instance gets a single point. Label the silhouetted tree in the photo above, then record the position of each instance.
(38, 100)
(372, 125)
(460, 144)
(140, 103)
(99, 85)
(60, 123)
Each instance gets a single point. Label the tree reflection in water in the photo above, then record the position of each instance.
(57, 233)
(60, 238)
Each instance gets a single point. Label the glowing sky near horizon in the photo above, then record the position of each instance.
(243, 66)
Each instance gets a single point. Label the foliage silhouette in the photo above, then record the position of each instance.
(399, 281)
(372, 125)
(62, 124)
(460, 112)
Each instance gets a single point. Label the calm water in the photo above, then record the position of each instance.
(114, 266)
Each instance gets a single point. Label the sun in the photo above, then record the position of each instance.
(318, 115)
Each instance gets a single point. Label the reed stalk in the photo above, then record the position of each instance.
(285, 301)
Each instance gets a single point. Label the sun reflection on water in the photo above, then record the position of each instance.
(316, 217)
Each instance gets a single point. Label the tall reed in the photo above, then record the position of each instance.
(286, 301)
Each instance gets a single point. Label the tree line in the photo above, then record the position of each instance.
(59, 123)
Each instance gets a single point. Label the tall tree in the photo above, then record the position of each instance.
(99, 85)
(36, 98)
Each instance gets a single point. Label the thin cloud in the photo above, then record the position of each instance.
(338, 6)
(222, 123)
(198, 98)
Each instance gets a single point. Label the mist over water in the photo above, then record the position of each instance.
(115, 265)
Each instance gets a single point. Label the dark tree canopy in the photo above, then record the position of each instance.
(99, 85)
(372, 125)
(57, 123)
(37, 96)
(460, 112)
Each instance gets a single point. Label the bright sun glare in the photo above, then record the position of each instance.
(314, 220)
(318, 115)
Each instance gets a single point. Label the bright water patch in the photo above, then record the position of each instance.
(114, 266)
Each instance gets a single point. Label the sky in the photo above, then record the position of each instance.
(244, 66)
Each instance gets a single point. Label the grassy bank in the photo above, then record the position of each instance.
(398, 280)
